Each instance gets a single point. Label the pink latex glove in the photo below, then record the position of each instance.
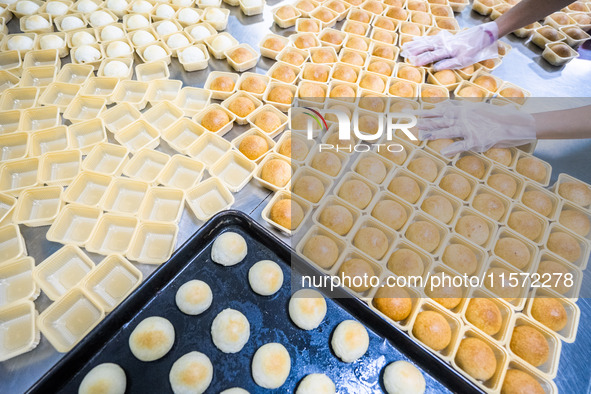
(480, 126)
(452, 51)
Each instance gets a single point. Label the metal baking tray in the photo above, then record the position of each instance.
(268, 316)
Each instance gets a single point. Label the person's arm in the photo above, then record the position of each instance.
(565, 124)
(526, 12)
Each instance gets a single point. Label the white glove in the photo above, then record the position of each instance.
(452, 51)
(480, 126)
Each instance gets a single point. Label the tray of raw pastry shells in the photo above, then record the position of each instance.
(222, 314)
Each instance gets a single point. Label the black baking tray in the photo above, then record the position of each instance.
(269, 320)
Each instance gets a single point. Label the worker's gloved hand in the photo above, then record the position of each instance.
(452, 51)
(480, 126)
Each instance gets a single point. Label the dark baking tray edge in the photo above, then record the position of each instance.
(64, 369)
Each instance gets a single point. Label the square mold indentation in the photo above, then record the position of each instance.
(85, 135)
(234, 170)
(12, 243)
(442, 287)
(59, 94)
(182, 133)
(354, 264)
(112, 234)
(38, 77)
(153, 242)
(84, 108)
(18, 174)
(120, 116)
(192, 100)
(43, 57)
(16, 281)
(65, 322)
(38, 118)
(131, 92)
(19, 331)
(112, 281)
(575, 219)
(74, 74)
(100, 87)
(7, 204)
(209, 148)
(87, 189)
(208, 198)
(146, 165)
(19, 98)
(62, 271)
(147, 72)
(9, 121)
(124, 196)
(38, 206)
(74, 224)
(107, 159)
(10, 61)
(162, 204)
(182, 172)
(59, 168)
(163, 90)
(13, 146)
(140, 134)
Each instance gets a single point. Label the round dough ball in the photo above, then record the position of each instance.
(191, 55)
(406, 188)
(473, 228)
(177, 40)
(154, 52)
(503, 183)
(394, 302)
(234, 390)
(271, 365)
(401, 377)
(529, 344)
(372, 82)
(372, 241)
(82, 38)
(268, 121)
(410, 74)
(372, 168)
(294, 148)
(191, 373)
(439, 207)
(445, 77)
(471, 92)
(100, 18)
(424, 167)
(390, 213)
(116, 68)
(490, 205)
(322, 250)
(500, 155)
(241, 55)
(137, 21)
(253, 84)
(353, 268)
(424, 234)
(293, 58)
(215, 119)
(242, 107)
(71, 23)
(107, 378)
(513, 251)
(576, 192)
(36, 22)
(222, 84)
(56, 8)
(274, 44)
(526, 224)
(378, 66)
(142, 37)
(26, 7)
(484, 314)
(253, 146)
(551, 269)
(498, 281)
(309, 187)
(356, 192)
(87, 54)
(472, 165)
(564, 245)
(532, 168)
(110, 32)
(86, 6)
(20, 43)
(433, 94)
(277, 172)
(445, 294)
(194, 297)
(337, 218)
(538, 201)
(280, 94)
(152, 338)
(118, 49)
(199, 33)
(286, 12)
(344, 73)
(476, 358)
(438, 145)
(307, 309)
(343, 91)
(265, 277)
(460, 258)
(575, 221)
(432, 329)
(402, 89)
(406, 262)
(230, 330)
(165, 28)
(51, 41)
(350, 341)
(229, 249)
(396, 155)
(285, 73)
(456, 185)
(316, 383)
(550, 312)
(517, 381)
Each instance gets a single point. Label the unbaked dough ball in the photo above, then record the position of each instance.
(277, 172)
(337, 218)
(165, 11)
(498, 281)
(307, 308)
(107, 378)
(265, 277)
(517, 381)
(20, 43)
(274, 44)
(194, 297)
(394, 302)
(551, 269)
(111, 32)
(177, 40)
(460, 258)
(100, 18)
(199, 33)
(287, 213)
(424, 234)
(354, 268)
(406, 188)
(456, 185)
(322, 250)
(575, 221)
(152, 338)
(513, 251)
(390, 213)
(71, 23)
(316, 383)
(166, 27)
(191, 373)
(401, 377)
(142, 37)
(529, 344)
(398, 153)
(372, 168)
(490, 205)
(526, 224)
(432, 329)
(472, 165)
(271, 365)
(564, 245)
(484, 314)
(26, 7)
(576, 192)
(439, 207)
(406, 262)
(503, 183)
(230, 331)
(56, 8)
(350, 341)
(538, 201)
(116, 68)
(242, 107)
(438, 145)
(500, 155)
(36, 22)
(118, 49)
(87, 54)
(80, 38)
(532, 168)
(372, 241)
(154, 52)
(137, 21)
(229, 249)
(356, 192)
(51, 41)
(477, 358)
(550, 312)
